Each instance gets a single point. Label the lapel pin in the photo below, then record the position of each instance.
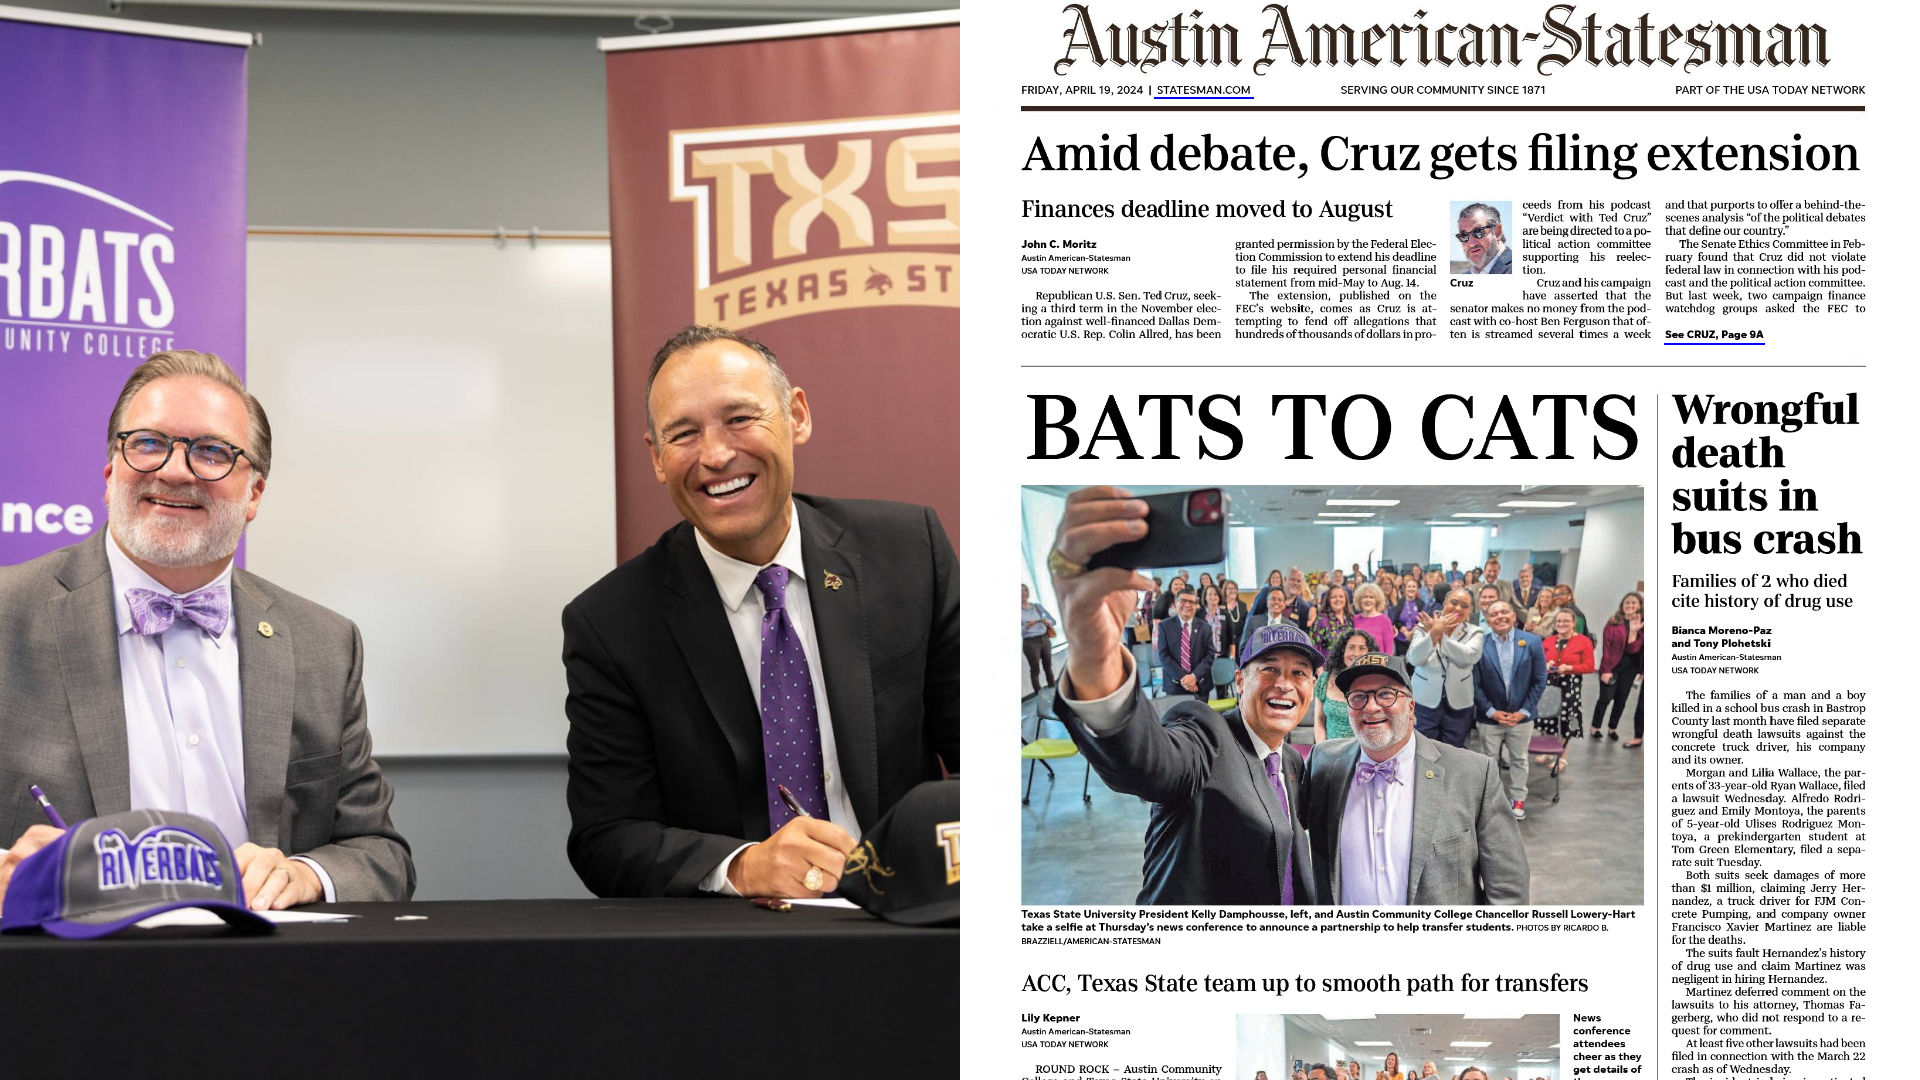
(266, 629)
(1429, 774)
(833, 580)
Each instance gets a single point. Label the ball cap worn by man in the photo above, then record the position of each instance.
(1281, 636)
(1371, 664)
(107, 873)
(907, 867)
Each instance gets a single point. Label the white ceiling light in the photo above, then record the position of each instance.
(1346, 513)
(1544, 505)
(1373, 1042)
(1363, 502)
(1482, 514)
(1474, 1044)
(1451, 524)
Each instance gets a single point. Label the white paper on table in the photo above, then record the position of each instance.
(203, 917)
(834, 902)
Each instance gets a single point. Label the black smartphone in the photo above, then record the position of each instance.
(1184, 528)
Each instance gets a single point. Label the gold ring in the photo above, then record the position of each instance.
(814, 879)
(1063, 566)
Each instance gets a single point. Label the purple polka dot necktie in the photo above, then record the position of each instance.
(789, 718)
(1280, 790)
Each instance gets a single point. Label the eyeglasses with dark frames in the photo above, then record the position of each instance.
(1387, 699)
(208, 458)
(1477, 234)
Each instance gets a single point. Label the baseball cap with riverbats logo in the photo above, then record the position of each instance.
(1281, 635)
(107, 873)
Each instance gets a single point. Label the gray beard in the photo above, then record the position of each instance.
(1394, 734)
(174, 544)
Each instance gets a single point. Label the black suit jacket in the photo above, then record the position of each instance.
(665, 773)
(1202, 654)
(1216, 834)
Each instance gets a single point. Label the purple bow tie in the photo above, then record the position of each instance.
(154, 612)
(1389, 770)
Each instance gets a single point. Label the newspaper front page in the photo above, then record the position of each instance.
(1505, 418)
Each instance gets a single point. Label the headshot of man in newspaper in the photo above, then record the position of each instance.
(1481, 237)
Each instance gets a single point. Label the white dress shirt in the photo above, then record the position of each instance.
(181, 690)
(746, 608)
(1376, 835)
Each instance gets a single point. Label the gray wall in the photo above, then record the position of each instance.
(442, 122)
(484, 829)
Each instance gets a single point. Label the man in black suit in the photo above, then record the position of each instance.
(769, 639)
(1274, 614)
(1224, 786)
(1186, 649)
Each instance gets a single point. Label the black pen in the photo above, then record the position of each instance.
(47, 806)
(793, 804)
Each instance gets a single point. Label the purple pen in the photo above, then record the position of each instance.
(47, 805)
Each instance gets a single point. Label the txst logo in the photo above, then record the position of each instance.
(162, 855)
(879, 226)
(947, 835)
(103, 289)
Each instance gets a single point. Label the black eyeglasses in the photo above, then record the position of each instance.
(207, 457)
(1387, 699)
(1475, 233)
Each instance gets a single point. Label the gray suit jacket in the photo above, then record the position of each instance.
(1466, 846)
(312, 787)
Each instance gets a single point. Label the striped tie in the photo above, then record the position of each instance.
(1186, 647)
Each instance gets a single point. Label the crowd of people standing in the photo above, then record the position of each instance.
(1481, 649)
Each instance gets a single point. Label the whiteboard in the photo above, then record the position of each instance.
(442, 467)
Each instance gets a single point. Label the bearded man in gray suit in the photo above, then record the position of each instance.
(141, 670)
(1397, 818)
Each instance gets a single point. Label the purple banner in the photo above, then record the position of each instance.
(123, 199)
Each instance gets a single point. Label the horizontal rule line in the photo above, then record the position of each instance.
(149, 331)
(1443, 108)
(1503, 367)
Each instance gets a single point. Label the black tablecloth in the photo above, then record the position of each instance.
(532, 987)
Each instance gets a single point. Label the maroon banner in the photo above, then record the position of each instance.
(804, 190)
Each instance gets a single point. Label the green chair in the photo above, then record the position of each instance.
(1037, 752)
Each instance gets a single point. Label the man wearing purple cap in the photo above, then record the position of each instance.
(1225, 788)
(1397, 818)
(151, 674)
